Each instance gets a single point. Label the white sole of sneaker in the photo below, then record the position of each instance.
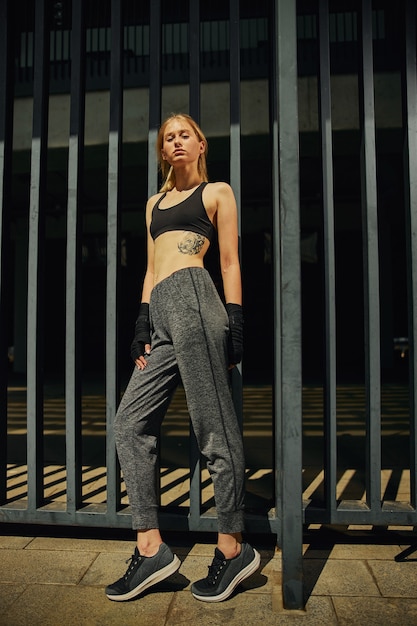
(242, 575)
(157, 577)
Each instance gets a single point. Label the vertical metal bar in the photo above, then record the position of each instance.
(155, 89)
(194, 107)
(36, 259)
(73, 273)
(371, 264)
(113, 249)
(235, 162)
(276, 265)
(6, 142)
(289, 411)
(155, 93)
(329, 259)
(410, 163)
(194, 56)
(235, 153)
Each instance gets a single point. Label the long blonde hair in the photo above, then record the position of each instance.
(167, 171)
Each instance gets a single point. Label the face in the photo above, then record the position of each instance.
(180, 143)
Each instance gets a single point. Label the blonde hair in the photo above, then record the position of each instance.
(167, 171)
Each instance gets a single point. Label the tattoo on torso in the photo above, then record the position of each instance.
(191, 243)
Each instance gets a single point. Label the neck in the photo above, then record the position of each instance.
(186, 180)
(187, 187)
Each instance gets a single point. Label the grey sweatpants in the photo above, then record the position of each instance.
(189, 344)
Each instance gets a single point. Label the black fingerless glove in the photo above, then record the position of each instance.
(235, 347)
(142, 332)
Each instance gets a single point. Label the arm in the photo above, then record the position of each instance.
(148, 281)
(227, 228)
(140, 346)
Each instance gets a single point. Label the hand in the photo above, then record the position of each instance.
(141, 362)
(235, 342)
(141, 344)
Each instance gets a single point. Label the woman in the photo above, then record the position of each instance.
(184, 332)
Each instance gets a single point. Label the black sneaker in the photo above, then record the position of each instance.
(225, 574)
(143, 572)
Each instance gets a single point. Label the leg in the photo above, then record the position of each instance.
(220, 441)
(199, 335)
(230, 544)
(148, 541)
(137, 427)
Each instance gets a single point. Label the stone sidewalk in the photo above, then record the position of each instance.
(350, 578)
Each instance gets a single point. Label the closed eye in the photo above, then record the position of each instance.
(183, 134)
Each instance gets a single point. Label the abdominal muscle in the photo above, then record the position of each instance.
(176, 250)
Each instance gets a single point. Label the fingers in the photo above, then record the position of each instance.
(141, 362)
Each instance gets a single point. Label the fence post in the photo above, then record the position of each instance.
(6, 145)
(36, 245)
(288, 410)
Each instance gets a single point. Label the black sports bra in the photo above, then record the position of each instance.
(189, 215)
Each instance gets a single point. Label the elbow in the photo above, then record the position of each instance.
(229, 264)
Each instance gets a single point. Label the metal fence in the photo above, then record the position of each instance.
(286, 514)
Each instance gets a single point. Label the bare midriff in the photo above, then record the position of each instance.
(176, 250)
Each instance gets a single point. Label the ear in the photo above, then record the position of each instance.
(202, 146)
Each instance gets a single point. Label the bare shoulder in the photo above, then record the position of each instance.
(219, 188)
(152, 201)
(218, 193)
(220, 203)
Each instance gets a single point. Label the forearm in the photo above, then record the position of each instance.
(232, 283)
(233, 297)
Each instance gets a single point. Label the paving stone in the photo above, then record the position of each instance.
(319, 611)
(59, 582)
(186, 610)
(317, 553)
(247, 608)
(338, 578)
(62, 605)
(43, 566)
(360, 551)
(9, 593)
(395, 580)
(106, 568)
(92, 545)
(14, 543)
(377, 612)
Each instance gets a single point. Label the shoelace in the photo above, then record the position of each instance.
(214, 569)
(133, 562)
